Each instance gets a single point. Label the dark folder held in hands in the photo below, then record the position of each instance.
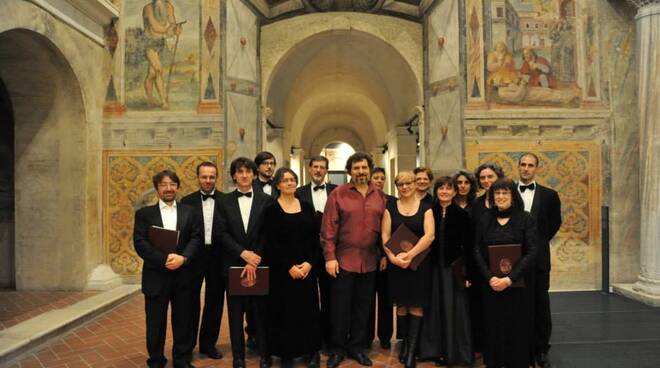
(503, 258)
(403, 240)
(242, 286)
(163, 239)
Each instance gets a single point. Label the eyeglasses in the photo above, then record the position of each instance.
(409, 184)
(268, 163)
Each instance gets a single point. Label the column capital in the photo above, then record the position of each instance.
(646, 7)
(642, 3)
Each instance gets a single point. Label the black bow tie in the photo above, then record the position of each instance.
(523, 188)
(206, 196)
(319, 187)
(247, 194)
(267, 182)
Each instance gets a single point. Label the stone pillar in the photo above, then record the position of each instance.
(647, 287)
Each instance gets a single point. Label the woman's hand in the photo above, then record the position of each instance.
(295, 272)
(304, 267)
(404, 259)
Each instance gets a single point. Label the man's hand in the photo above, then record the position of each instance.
(383, 263)
(296, 273)
(332, 267)
(499, 284)
(249, 271)
(305, 267)
(174, 261)
(251, 258)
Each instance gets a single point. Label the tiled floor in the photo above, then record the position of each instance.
(590, 330)
(18, 306)
(117, 339)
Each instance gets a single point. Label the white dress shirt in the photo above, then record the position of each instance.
(319, 197)
(208, 207)
(245, 205)
(168, 214)
(527, 196)
(268, 189)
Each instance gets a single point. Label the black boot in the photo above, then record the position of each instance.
(402, 324)
(414, 324)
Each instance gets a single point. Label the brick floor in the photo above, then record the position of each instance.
(19, 306)
(117, 339)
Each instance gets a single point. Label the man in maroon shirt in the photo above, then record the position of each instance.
(350, 235)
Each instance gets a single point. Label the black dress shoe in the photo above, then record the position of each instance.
(543, 361)
(385, 345)
(265, 362)
(334, 360)
(361, 358)
(182, 364)
(212, 353)
(251, 343)
(238, 363)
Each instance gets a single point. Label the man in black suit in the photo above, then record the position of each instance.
(266, 165)
(167, 278)
(207, 264)
(544, 205)
(316, 193)
(239, 222)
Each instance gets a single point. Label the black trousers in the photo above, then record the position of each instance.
(325, 283)
(352, 295)
(385, 325)
(214, 300)
(237, 307)
(155, 308)
(543, 319)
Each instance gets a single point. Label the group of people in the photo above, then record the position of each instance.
(329, 267)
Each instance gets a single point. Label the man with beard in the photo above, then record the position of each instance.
(350, 235)
(316, 193)
(207, 265)
(159, 24)
(167, 278)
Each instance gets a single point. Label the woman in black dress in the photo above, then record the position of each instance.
(446, 336)
(508, 311)
(408, 288)
(291, 247)
(486, 174)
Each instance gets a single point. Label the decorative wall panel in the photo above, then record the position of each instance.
(127, 186)
(574, 171)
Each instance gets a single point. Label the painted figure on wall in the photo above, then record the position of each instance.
(501, 66)
(159, 24)
(162, 55)
(533, 58)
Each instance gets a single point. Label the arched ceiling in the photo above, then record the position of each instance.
(341, 79)
(274, 10)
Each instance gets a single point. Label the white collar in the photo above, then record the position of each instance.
(162, 205)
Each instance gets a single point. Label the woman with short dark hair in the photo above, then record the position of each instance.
(291, 247)
(508, 309)
(446, 336)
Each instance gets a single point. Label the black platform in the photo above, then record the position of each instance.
(591, 329)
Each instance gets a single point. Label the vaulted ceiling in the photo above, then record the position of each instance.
(274, 10)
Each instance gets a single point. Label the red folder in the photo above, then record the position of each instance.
(163, 239)
(242, 286)
(403, 240)
(503, 258)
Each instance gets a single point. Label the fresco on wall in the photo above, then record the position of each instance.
(532, 53)
(162, 54)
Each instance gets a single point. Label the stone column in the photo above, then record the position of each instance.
(647, 287)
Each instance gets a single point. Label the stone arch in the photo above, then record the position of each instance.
(335, 74)
(50, 162)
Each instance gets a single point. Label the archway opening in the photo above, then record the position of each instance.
(49, 164)
(7, 272)
(337, 154)
(341, 85)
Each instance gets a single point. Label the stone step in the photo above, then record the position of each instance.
(27, 336)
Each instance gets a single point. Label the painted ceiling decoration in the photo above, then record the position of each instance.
(274, 10)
